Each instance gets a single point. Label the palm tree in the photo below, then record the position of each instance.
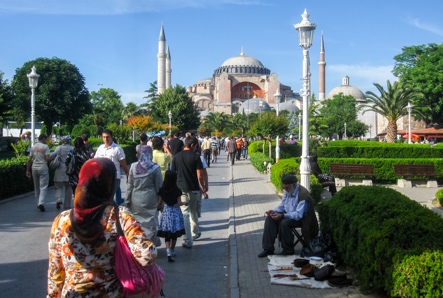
(391, 104)
(216, 121)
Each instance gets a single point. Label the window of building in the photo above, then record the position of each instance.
(203, 104)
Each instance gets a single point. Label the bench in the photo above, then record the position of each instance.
(356, 170)
(406, 171)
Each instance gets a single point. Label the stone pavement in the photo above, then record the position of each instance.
(251, 195)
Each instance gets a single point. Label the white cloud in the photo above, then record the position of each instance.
(428, 27)
(363, 76)
(109, 7)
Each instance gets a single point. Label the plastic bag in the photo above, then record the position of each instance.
(317, 247)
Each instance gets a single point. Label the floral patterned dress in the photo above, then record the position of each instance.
(77, 269)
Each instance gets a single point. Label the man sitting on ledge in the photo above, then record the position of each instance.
(295, 210)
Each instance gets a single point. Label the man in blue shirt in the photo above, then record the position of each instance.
(295, 210)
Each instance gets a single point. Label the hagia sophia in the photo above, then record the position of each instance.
(242, 84)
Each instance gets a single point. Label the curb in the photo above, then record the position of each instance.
(234, 290)
(431, 206)
(18, 197)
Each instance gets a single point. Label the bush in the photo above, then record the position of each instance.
(419, 276)
(375, 226)
(129, 153)
(78, 130)
(258, 159)
(439, 196)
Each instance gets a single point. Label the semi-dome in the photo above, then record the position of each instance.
(288, 106)
(242, 64)
(347, 89)
(253, 106)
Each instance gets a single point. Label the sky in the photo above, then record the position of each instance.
(114, 43)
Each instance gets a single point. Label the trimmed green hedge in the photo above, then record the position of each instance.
(291, 166)
(374, 227)
(13, 177)
(258, 159)
(286, 151)
(383, 167)
(361, 149)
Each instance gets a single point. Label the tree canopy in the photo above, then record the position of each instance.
(336, 112)
(107, 104)
(422, 67)
(184, 114)
(6, 98)
(61, 94)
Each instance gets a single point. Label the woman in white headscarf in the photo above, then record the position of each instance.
(144, 182)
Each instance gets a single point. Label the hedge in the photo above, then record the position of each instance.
(375, 229)
(286, 151)
(291, 166)
(351, 150)
(258, 159)
(383, 167)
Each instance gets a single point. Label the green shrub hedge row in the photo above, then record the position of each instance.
(286, 151)
(13, 177)
(292, 166)
(258, 159)
(375, 227)
(398, 151)
(353, 143)
(383, 167)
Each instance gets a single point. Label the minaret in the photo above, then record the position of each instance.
(322, 66)
(168, 68)
(161, 71)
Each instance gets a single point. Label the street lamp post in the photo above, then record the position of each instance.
(370, 133)
(248, 88)
(345, 132)
(33, 82)
(277, 99)
(409, 107)
(170, 118)
(260, 104)
(305, 34)
(299, 127)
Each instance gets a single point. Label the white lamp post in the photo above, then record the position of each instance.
(409, 107)
(299, 127)
(170, 118)
(305, 35)
(345, 132)
(277, 99)
(33, 82)
(260, 104)
(370, 133)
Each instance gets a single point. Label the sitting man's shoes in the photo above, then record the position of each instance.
(265, 253)
(58, 204)
(186, 246)
(41, 207)
(286, 253)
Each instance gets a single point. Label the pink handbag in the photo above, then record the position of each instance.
(134, 277)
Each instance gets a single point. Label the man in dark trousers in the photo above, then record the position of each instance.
(232, 147)
(295, 210)
(175, 144)
(189, 168)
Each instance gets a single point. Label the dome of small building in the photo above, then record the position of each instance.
(347, 89)
(253, 106)
(288, 106)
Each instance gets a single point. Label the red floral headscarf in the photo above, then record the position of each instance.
(94, 193)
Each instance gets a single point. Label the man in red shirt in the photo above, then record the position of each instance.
(238, 141)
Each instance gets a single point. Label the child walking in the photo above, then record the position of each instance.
(172, 224)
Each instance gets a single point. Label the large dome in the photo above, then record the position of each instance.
(242, 60)
(347, 89)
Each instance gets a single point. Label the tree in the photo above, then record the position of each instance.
(107, 105)
(152, 94)
(61, 94)
(336, 112)
(216, 121)
(422, 67)
(269, 126)
(184, 114)
(391, 104)
(6, 98)
(130, 110)
(143, 124)
(238, 122)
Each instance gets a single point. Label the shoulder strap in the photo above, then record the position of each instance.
(117, 221)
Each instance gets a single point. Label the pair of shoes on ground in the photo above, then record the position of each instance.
(265, 253)
(171, 255)
(197, 236)
(58, 204)
(41, 207)
(186, 246)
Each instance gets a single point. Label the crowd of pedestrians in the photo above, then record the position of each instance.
(169, 177)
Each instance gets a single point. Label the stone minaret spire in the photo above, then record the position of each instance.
(168, 68)
(161, 71)
(322, 66)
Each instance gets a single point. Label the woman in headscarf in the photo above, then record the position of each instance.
(144, 182)
(61, 180)
(81, 155)
(82, 242)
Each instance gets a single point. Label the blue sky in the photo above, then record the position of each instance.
(114, 43)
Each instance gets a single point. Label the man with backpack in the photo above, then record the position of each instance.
(244, 148)
(215, 149)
